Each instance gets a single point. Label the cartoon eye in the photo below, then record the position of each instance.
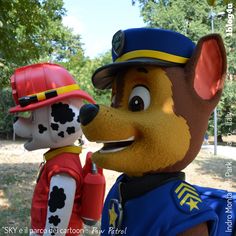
(139, 99)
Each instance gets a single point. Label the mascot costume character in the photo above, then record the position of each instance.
(164, 88)
(48, 102)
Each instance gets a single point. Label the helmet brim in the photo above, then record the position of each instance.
(76, 94)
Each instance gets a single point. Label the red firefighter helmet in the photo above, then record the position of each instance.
(41, 84)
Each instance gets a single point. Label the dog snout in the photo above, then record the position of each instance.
(87, 113)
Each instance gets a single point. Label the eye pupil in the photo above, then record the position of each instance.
(139, 98)
(136, 104)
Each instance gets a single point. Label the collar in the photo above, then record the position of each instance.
(54, 152)
(132, 187)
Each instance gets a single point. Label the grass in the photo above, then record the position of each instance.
(16, 185)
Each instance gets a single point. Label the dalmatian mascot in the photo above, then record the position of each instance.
(48, 102)
(164, 88)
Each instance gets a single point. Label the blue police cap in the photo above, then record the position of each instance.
(144, 46)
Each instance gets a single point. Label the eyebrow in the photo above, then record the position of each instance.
(142, 69)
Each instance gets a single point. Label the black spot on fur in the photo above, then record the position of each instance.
(61, 134)
(41, 128)
(54, 126)
(62, 113)
(55, 220)
(78, 119)
(53, 231)
(70, 130)
(57, 199)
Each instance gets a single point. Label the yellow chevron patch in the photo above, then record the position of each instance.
(187, 197)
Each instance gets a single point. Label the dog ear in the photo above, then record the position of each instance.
(207, 67)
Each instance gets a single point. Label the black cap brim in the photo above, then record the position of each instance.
(103, 76)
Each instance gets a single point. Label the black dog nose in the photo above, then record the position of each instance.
(87, 113)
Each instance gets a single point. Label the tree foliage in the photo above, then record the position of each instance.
(28, 27)
(84, 75)
(226, 111)
(32, 30)
(6, 119)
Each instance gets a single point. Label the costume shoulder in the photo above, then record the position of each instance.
(223, 202)
(64, 160)
(189, 209)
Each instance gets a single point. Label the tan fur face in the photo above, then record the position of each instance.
(159, 137)
(159, 114)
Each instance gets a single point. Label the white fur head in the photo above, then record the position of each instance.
(56, 125)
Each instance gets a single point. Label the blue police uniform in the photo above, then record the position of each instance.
(169, 209)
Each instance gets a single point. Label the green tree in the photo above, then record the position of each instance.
(31, 30)
(226, 112)
(67, 51)
(6, 119)
(28, 27)
(84, 75)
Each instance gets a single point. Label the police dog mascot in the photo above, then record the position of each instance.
(48, 102)
(164, 88)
